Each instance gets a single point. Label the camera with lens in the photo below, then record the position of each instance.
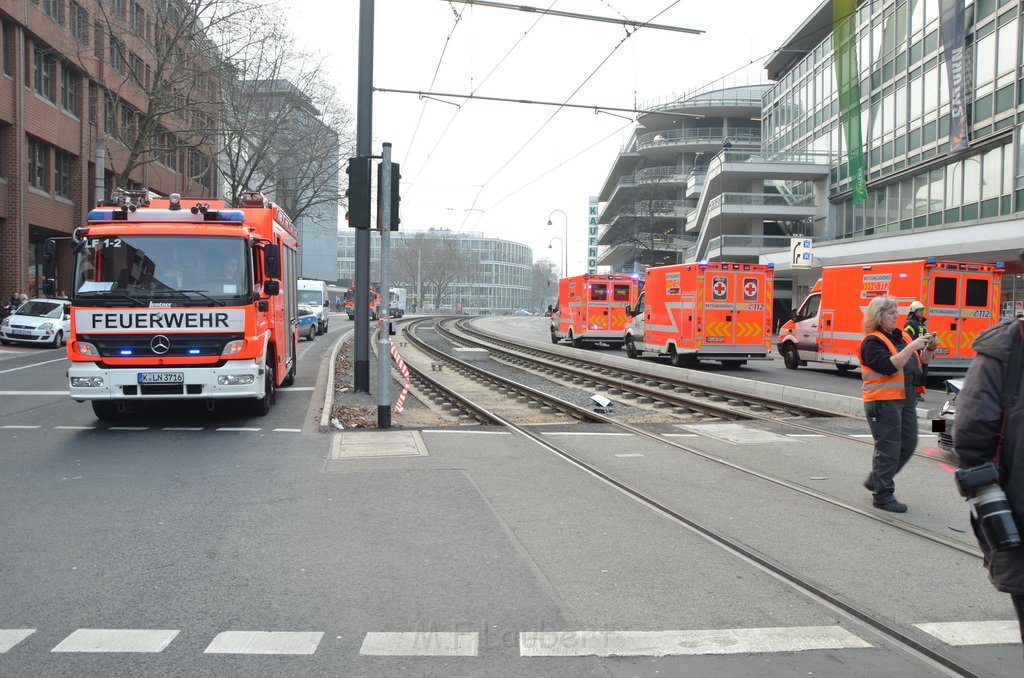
(980, 486)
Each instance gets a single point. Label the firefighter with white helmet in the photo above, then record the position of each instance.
(916, 327)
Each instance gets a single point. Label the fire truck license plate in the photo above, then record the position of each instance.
(161, 377)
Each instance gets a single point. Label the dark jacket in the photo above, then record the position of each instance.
(915, 327)
(978, 420)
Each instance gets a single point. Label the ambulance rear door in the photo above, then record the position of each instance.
(599, 306)
(959, 309)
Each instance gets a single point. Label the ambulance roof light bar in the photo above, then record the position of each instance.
(166, 215)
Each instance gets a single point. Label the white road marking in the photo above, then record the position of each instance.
(34, 393)
(265, 642)
(182, 428)
(974, 633)
(11, 637)
(804, 435)
(634, 454)
(288, 430)
(861, 435)
(128, 428)
(422, 644)
(19, 426)
(117, 640)
(237, 428)
(25, 367)
(680, 435)
(74, 428)
(296, 388)
(478, 433)
(586, 433)
(672, 643)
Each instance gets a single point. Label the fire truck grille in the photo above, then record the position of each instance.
(177, 345)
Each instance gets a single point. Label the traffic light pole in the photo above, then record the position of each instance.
(384, 189)
(364, 139)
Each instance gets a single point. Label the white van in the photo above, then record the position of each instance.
(314, 293)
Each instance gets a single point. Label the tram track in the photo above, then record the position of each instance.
(848, 610)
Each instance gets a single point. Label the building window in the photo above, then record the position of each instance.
(78, 22)
(69, 89)
(116, 8)
(137, 69)
(62, 173)
(37, 152)
(110, 113)
(51, 8)
(44, 73)
(138, 19)
(117, 55)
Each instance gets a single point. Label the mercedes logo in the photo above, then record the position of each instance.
(160, 344)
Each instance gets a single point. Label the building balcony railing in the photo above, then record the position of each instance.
(748, 244)
(674, 209)
(716, 95)
(699, 135)
(658, 175)
(761, 200)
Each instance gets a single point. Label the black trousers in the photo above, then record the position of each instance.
(893, 425)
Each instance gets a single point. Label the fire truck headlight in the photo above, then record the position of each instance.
(87, 382)
(233, 347)
(235, 379)
(87, 349)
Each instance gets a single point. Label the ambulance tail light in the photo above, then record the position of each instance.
(233, 347)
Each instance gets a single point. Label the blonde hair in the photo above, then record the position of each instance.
(874, 312)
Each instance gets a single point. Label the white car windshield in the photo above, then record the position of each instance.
(41, 309)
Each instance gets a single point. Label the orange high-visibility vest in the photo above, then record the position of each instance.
(878, 386)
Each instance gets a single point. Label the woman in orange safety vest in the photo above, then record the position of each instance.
(890, 365)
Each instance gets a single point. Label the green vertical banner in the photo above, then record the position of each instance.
(848, 80)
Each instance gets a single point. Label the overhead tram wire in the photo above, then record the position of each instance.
(455, 115)
(587, 17)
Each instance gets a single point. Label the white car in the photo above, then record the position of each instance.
(38, 321)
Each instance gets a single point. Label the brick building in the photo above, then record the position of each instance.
(75, 79)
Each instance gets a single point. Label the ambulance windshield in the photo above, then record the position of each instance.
(140, 269)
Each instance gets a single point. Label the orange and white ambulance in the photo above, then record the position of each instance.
(593, 309)
(704, 311)
(176, 299)
(961, 300)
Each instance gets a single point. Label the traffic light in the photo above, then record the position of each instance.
(358, 192)
(394, 198)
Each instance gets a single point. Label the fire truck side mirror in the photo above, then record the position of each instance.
(272, 260)
(272, 288)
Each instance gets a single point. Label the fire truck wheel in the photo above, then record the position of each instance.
(290, 379)
(261, 406)
(790, 357)
(104, 410)
(631, 348)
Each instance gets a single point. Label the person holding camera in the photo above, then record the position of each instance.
(988, 441)
(890, 366)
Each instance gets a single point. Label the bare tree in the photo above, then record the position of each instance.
(544, 283)
(165, 63)
(436, 260)
(285, 131)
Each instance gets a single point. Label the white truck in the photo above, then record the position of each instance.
(314, 293)
(396, 307)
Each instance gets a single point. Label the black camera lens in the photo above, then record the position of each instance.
(996, 518)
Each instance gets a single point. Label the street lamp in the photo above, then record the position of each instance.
(565, 242)
(561, 243)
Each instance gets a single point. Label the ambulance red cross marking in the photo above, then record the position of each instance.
(750, 289)
(719, 287)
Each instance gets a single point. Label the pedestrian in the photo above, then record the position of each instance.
(990, 428)
(917, 326)
(890, 363)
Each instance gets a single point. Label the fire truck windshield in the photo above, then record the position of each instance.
(138, 269)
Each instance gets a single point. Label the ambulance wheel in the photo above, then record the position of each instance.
(261, 406)
(790, 357)
(844, 367)
(105, 410)
(631, 349)
(674, 358)
(554, 337)
(575, 341)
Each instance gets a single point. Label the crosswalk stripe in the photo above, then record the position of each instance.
(265, 642)
(238, 428)
(974, 633)
(672, 643)
(117, 640)
(421, 644)
(11, 637)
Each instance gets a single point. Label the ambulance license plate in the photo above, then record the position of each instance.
(161, 377)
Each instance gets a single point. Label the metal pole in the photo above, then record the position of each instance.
(384, 316)
(364, 123)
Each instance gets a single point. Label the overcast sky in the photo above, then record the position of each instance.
(502, 168)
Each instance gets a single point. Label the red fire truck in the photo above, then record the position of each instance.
(593, 309)
(711, 311)
(182, 299)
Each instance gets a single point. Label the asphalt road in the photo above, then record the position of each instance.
(186, 543)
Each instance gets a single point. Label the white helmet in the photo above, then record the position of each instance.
(916, 306)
